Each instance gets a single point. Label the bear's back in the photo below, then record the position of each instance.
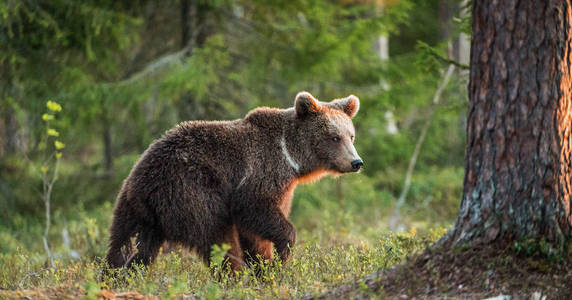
(217, 147)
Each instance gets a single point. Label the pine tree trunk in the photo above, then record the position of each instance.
(107, 144)
(518, 180)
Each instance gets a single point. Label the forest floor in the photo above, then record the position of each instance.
(323, 260)
(500, 274)
(340, 256)
(432, 274)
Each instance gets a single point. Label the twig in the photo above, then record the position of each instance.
(413, 160)
(133, 250)
(432, 52)
(451, 61)
(29, 275)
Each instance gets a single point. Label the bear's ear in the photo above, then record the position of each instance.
(349, 105)
(306, 105)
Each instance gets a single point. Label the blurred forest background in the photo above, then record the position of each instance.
(126, 71)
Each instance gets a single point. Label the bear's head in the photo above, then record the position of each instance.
(327, 132)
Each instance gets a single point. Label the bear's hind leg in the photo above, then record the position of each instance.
(148, 243)
(133, 244)
(122, 230)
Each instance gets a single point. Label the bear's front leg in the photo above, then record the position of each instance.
(234, 254)
(255, 247)
(268, 222)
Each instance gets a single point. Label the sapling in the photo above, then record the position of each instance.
(52, 157)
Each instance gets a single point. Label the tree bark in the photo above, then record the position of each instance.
(107, 145)
(462, 44)
(186, 23)
(518, 178)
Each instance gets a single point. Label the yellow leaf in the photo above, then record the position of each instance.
(53, 106)
(44, 169)
(47, 117)
(413, 231)
(53, 132)
(58, 155)
(59, 145)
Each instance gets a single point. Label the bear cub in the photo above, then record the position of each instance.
(212, 182)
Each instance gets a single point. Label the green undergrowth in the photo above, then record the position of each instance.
(341, 224)
(325, 256)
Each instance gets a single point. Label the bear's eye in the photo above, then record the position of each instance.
(336, 139)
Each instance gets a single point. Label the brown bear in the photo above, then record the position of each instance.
(212, 182)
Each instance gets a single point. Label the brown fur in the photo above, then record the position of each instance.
(206, 183)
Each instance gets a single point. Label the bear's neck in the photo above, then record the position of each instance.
(287, 156)
(281, 126)
(294, 154)
(303, 175)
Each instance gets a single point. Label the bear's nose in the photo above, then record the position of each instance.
(356, 164)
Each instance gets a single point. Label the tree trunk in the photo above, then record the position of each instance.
(186, 22)
(445, 16)
(518, 178)
(205, 25)
(12, 138)
(196, 28)
(381, 44)
(9, 132)
(461, 45)
(107, 144)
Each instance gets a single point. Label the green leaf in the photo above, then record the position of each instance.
(53, 106)
(218, 254)
(53, 132)
(47, 117)
(59, 145)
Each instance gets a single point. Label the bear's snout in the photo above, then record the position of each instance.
(357, 164)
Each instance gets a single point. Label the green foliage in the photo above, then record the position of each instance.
(261, 53)
(323, 259)
(465, 22)
(122, 74)
(217, 256)
(533, 247)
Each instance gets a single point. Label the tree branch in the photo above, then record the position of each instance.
(153, 67)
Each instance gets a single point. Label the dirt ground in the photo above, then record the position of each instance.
(466, 274)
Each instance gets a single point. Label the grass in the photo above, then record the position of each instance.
(341, 224)
(329, 254)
